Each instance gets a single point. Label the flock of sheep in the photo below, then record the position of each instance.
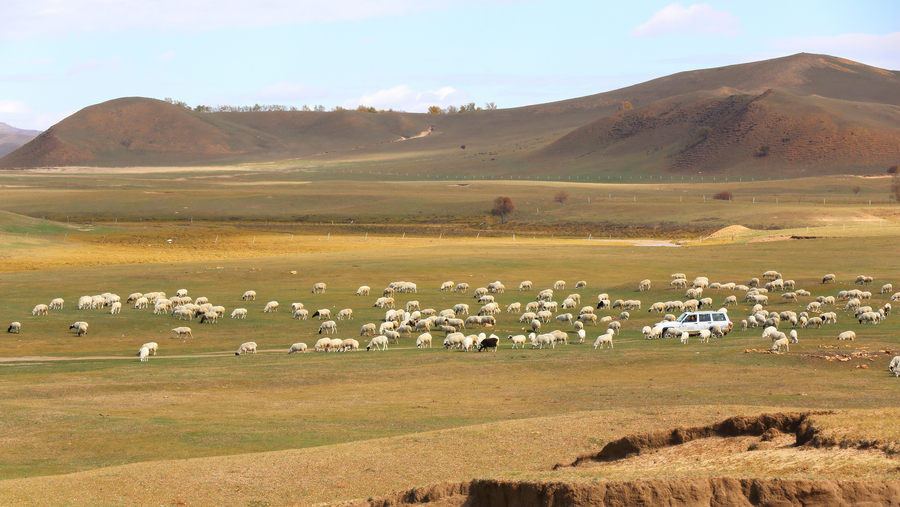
(454, 321)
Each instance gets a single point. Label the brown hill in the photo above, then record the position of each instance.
(11, 138)
(814, 112)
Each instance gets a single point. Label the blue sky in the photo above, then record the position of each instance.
(58, 56)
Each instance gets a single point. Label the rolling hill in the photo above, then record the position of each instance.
(11, 138)
(813, 114)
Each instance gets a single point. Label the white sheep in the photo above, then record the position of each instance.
(345, 314)
(644, 285)
(239, 313)
(297, 347)
(678, 283)
(202, 300)
(318, 288)
(624, 316)
(246, 348)
(678, 275)
(447, 286)
(829, 278)
(144, 354)
(514, 308)
(730, 300)
(14, 327)
(517, 340)
(414, 305)
(57, 304)
(461, 287)
(182, 332)
(604, 339)
(250, 295)
(526, 285)
(379, 343)
(793, 336)
(847, 335)
(614, 326)
(134, 297)
(581, 284)
(684, 337)
(582, 334)
(209, 317)
(543, 339)
(704, 335)
(781, 345)
(364, 290)
(151, 346)
(41, 309)
(116, 308)
(895, 366)
(80, 328)
(301, 314)
(349, 344)
(423, 340)
(559, 285)
(271, 307)
(328, 326)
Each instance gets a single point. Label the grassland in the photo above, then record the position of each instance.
(86, 424)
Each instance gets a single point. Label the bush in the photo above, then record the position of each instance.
(894, 169)
(724, 196)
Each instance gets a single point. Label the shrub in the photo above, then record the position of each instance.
(724, 196)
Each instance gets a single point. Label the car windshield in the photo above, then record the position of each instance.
(682, 317)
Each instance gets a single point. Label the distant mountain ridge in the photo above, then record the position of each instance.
(798, 114)
(11, 138)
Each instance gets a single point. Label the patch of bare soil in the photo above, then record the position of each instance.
(731, 230)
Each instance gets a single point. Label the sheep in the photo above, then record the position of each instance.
(544, 316)
(744, 325)
(717, 332)
(364, 290)
(614, 326)
(271, 307)
(80, 328)
(404, 329)
(496, 288)
(14, 327)
(886, 308)
(182, 332)
(526, 285)
(730, 301)
(678, 275)
(690, 305)
(151, 347)
(345, 314)
(323, 313)
(861, 280)
(209, 318)
(246, 348)
(814, 307)
(423, 340)
(829, 278)
(847, 335)
(761, 299)
(517, 340)
(569, 303)
(491, 342)
(41, 310)
(781, 345)
(789, 297)
(644, 285)
(604, 339)
(701, 282)
(655, 332)
(603, 304)
(239, 313)
(678, 283)
(588, 318)
(543, 339)
(559, 285)
(693, 293)
(133, 297)
(318, 288)
(250, 295)
(829, 318)
(480, 291)
(815, 321)
(457, 323)
(685, 336)
(412, 305)
(528, 317)
(578, 325)
(704, 335)
(297, 347)
(453, 340)
(57, 304)
(581, 334)
(705, 301)
(565, 318)
(144, 354)
(348, 344)
(446, 286)
(514, 308)
(895, 366)
(219, 310)
(328, 325)
(793, 336)
(116, 308)
(549, 305)
(624, 316)
(535, 325)
(895, 296)
(658, 307)
(461, 287)
(870, 318)
(715, 286)
(392, 336)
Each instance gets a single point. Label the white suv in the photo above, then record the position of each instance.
(694, 322)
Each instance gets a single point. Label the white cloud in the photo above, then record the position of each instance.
(404, 98)
(165, 56)
(13, 107)
(36, 18)
(698, 19)
(878, 50)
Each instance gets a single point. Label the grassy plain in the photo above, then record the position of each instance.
(85, 423)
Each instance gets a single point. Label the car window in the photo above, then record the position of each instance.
(691, 318)
(682, 317)
(704, 317)
(718, 317)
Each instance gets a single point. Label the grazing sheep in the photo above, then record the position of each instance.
(895, 296)
(393, 336)
(250, 295)
(794, 338)
(296, 306)
(526, 285)
(744, 325)
(116, 308)
(815, 321)
(41, 310)
(384, 302)
(318, 288)
(182, 332)
(870, 318)
(658, 307)
(209, 318)
(582, 334)
(446, 286)
(717, 332)
(239, 313)
(678, 283)
(604, 304)
(151, 347)
(614, 326)
(423, 340)
(678, 275)
(789, 297)
(14, 327)
(781, 345)
(624, 316)
(202, 300)
(134, 297)
(565, 318)
(297, 347)
(246, 348)
(461, 287)
(559, 285)
(322, 345)
(588, 318)
(814, 307)
(491, 342)
(271, 307)
(847, 335)
(496, 288)
(480, 291)
(57, 304)
(569, 303)
(644, 285)
(349, 344)
(895, 366)
(549, 305)
(528, 317)
(544, 316)
(535, 325)
(704, 335)
(705, 301)
(323, 313)
(413, 305)
(514, 308)
(730, 301)
(453, 340)
(144, 354)
(829, 278)
(581, 284)
(301, 314)
(363, 290)
(328, 325)
(604, 339)
(345, 314)
(80, 328)
(423, 326)
(886, 288)
(543, 339)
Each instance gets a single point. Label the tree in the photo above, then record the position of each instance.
(724, 196)
(503, 206)
(856, 189)
(490, 106)
(451, 109)
(763, 151)
(435, 110)
(894, 169)
(561, 197)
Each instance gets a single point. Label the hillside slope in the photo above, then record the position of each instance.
(815, 113)
(11, 138)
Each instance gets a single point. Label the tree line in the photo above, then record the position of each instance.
(256, 108)
(461, 109)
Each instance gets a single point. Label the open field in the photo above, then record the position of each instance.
(369, 414)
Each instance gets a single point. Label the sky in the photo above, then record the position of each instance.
(59, 56)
